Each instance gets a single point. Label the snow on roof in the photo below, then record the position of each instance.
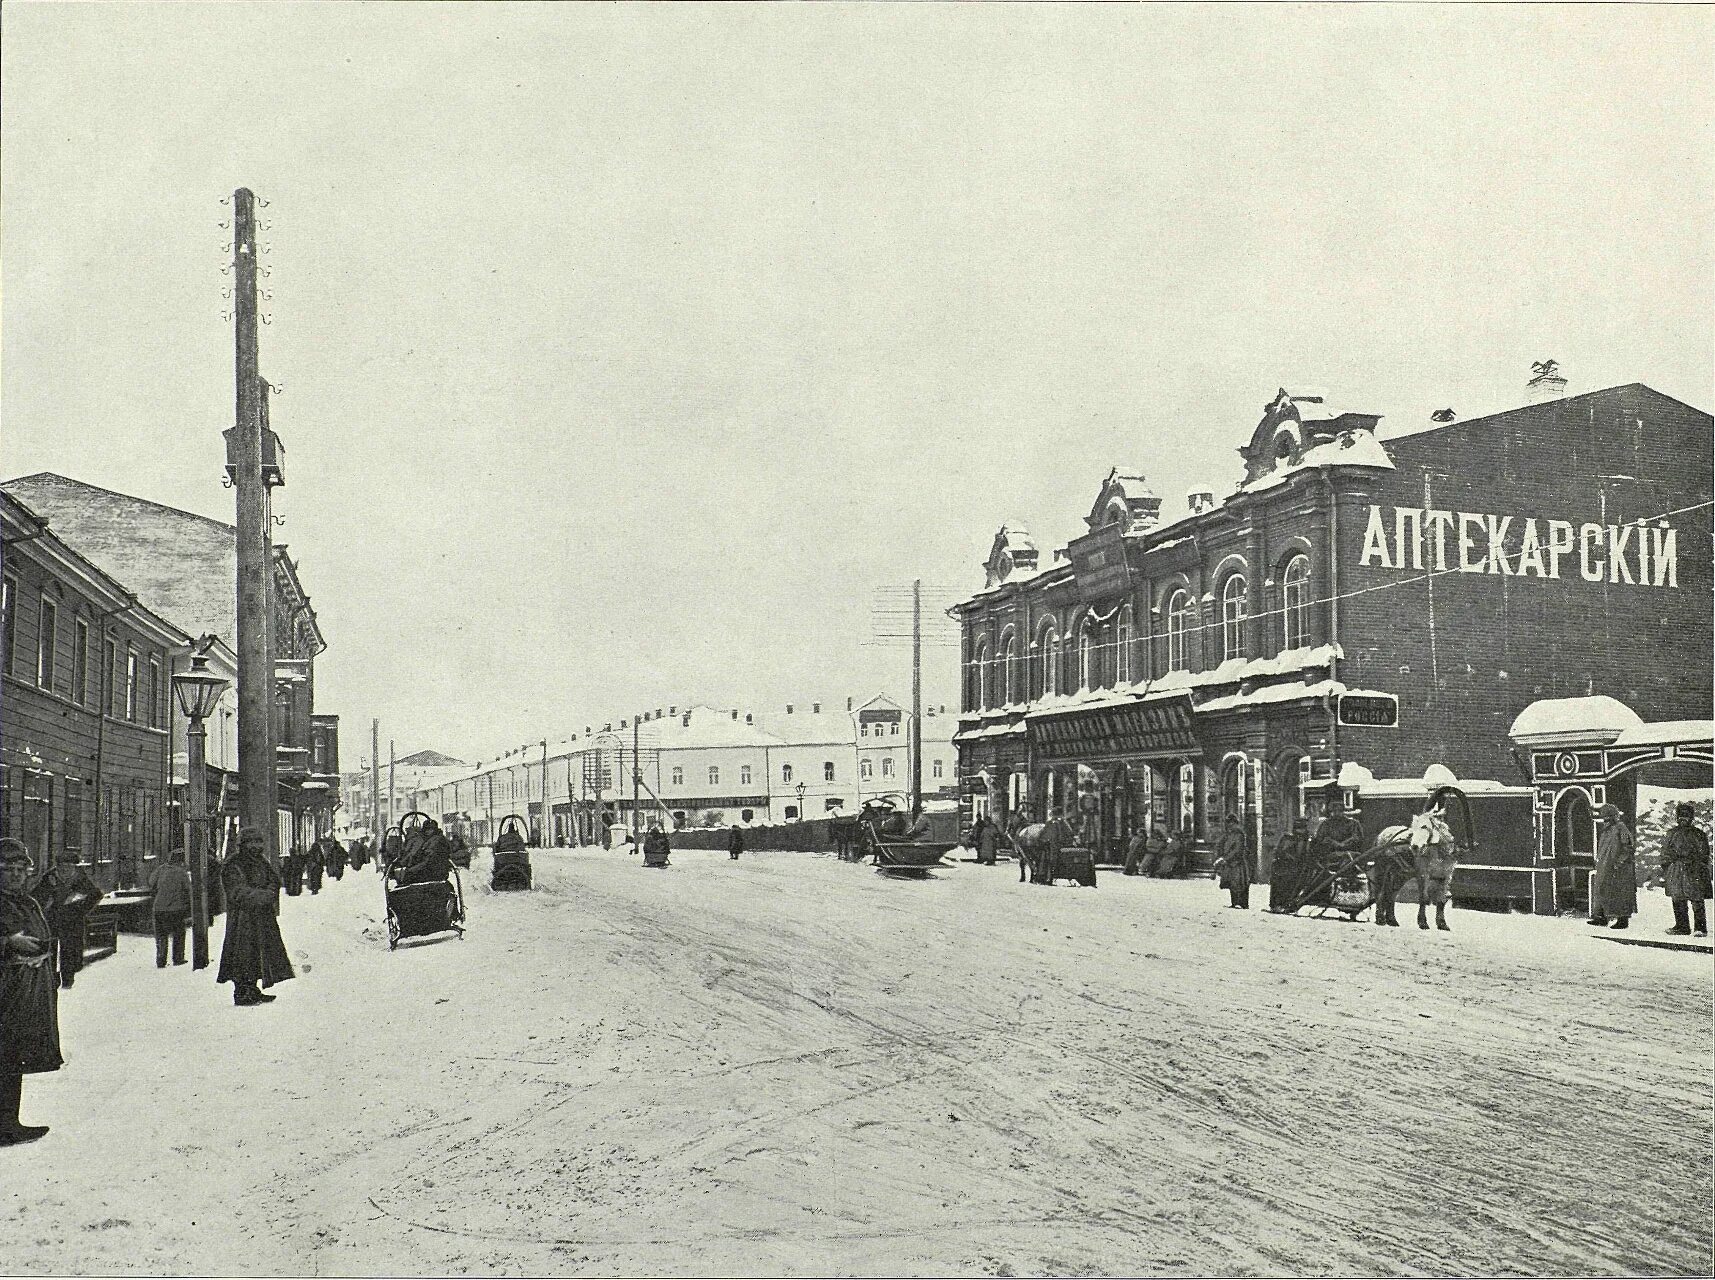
(1682, 732)
(1359, 449)
(1594, 718)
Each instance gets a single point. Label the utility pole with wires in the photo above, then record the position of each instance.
(392, 766)
(890, 610)
(377, 832)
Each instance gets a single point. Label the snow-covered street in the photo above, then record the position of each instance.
(794, 1065)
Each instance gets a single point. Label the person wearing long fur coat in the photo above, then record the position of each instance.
(1614, 886)
(254, 955)
(29, 992)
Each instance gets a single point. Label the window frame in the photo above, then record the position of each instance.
(1179, 613)
(1235, 609)
(47, 641)
(131, 683)
(714, 775)
(828, 771)
(9, 623)
(1295, 602)
(80, 661)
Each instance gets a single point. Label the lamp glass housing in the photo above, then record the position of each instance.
(198, 691)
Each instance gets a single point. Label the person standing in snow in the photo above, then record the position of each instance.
(67, 895)
(171, 908)
(735, 842)
(988, 843)
(1283, 875)
(253, 955)
(1686, 873)
(1614, 886)
(332, 856)
(312, 860)
(29, 995)
(1232, 863)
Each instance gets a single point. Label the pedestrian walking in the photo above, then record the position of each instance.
(1232, 863)
(1136, 850)
(1614, 886)
(292, 872)
(312, 860)
(735, 842)
(656, 847)
(1287, 868)
(29, 996)
(332, 856)
(67, 896)
(171, 908)
(1686, 873)
(988, 843)
(253, 955)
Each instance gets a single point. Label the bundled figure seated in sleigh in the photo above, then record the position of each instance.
(423, 893)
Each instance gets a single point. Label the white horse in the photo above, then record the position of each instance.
(1424, 850)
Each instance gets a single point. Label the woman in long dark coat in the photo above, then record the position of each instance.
(29, 994)
(67, 895)
(254, 954)
(1232, 862)
(1614, 886)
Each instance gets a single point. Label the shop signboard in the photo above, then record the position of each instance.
(1099, 565)
(1156, 727)
(1369, 710)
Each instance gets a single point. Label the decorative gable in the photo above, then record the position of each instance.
(1125, 501)
(1013, 552)
(1302, 429)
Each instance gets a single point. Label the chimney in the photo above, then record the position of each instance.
(1200, 500)
(788, 708)
(735, 715)
(815, 708)
(848, 703)
(1545, 382)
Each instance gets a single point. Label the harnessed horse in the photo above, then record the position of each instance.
(1424, 850)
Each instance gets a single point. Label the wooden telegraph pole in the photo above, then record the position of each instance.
(377, 831)
(256, 767)
(916, 738)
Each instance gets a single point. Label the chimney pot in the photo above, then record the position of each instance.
(1546, 382)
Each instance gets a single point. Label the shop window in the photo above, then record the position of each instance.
(1295, 603)
(791, 813)
(1178, 629)
(47, 641)
(1233, 611)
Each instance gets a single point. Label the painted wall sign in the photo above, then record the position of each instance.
(1099, 564)
(1417, 539)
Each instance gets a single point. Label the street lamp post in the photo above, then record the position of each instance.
(198, 692)
(800, 790)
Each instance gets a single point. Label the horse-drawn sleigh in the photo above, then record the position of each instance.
(511, 868)
(897, 845)
(420, 907)
(1048, 852)
(1425, 849)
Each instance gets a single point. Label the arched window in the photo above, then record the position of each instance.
(1051, 665)
(1089, 663)
(714, 775)
(1122, 647)
(785, 773)
(1178, 629)
(865, 769)
(980, 676)
(1011, 681)
(1233, 610)
(1295, 603)
(827, 771)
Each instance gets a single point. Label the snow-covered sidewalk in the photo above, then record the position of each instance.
(795, 1065)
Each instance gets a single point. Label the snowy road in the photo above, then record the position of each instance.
(793, 1065)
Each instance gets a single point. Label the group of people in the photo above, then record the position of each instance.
(1686, 874)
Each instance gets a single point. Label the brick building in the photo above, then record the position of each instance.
(86, 710)
(185, 566)
(1173, 672)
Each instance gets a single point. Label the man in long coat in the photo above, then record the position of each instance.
(735, 842)
(1614, 886)
(1685, 872)
(29, 996)
(67, 895)
(1232, 863)
(254, 954)
(1287, 867)
(333, 857)
(312, 859)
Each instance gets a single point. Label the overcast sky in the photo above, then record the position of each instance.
(626, 349)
